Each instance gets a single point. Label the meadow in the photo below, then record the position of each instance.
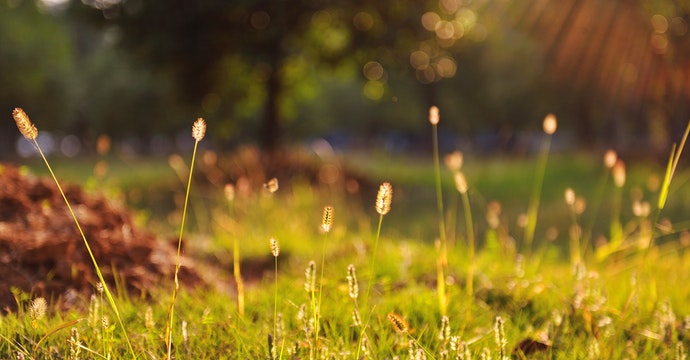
(450, 256)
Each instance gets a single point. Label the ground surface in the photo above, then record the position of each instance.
(42, 252)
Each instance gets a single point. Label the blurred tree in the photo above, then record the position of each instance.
(36, 63)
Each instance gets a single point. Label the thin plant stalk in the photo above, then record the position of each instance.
(666, 184)
(383, 206)
(610, 158)
(236, 270)
(462, 187)
(30, 132)
(470, 243)
(442, 260)
(549, 125)
(198, 131)
(275, 251)
(326, 226)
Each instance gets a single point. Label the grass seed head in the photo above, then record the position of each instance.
(569, 196)
(310, 277)
(275, 247)
(550, 124)
(610, 158)
(271, 185)
(25, 126)
(399, 324)
(434, 116)
(199, 129)
(38, 308)
(383, 198)
(619, 173)
(460, 182)
(352, 285)
(327, 220)
(229, 192)
(454, 160)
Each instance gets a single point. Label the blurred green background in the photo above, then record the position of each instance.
(357, 73)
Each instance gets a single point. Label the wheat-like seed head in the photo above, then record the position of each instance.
(229, 191)
(352, 284)
(500, 335)
(398, 322)
(38, 308)
(310, 277)
(618, 171)
(454, 160)
(610, 158)
(434, 116)
(275, 247)
(383, 198)
(569, 196)
(272, 185)
(25, 126)
(199, 129)
(356, 318)
(550, 124)
(460, 182)
(444, 333)
(327, 220)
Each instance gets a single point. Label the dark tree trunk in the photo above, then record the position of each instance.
(271, 132)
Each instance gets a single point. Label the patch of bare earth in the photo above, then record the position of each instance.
(42, 252)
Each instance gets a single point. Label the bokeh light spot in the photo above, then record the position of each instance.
(363, 21)
(429, 20)
(419, 60)
(373, 70)
(374, 90)
(659, 23)
(260, 20)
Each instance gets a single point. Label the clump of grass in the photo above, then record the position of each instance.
(198, 133)
(30, 132)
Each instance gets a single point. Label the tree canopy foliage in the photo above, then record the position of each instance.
(274, 69)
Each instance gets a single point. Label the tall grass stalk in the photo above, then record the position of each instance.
(383, 206)
(574, 233)
(236, 258)
(668, 176)
(549, 125)
(461, 185)
(442, 260)
(275, 251)
(326, 226)
(30, 132)
(198, 132)
(610, 158)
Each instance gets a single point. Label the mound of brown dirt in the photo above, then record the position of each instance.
(42, 252)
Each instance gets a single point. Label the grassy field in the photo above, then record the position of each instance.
(622, 301)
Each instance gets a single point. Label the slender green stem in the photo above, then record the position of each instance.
(111, 300)
(470, 242)
(442, 261)
(533, 210)
(372, 276)
(168, 335)
(317, 315)
(275, 308)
